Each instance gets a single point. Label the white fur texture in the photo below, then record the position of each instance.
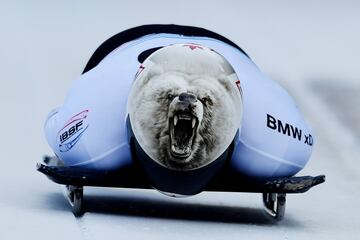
(185, 68)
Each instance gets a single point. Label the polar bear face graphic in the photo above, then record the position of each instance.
(185, 106)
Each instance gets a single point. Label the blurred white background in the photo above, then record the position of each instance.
(310, 47)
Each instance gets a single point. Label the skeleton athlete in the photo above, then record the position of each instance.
(186, 97)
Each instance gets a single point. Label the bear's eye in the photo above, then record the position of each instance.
(206, 100)
(170, 96)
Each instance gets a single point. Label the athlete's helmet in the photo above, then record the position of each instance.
(185, 108)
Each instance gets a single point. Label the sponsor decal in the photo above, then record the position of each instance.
(141, 68)
(72, 131)
(192, 46)
(289, 130)
(238, 84)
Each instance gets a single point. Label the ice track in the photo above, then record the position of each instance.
(310, 47)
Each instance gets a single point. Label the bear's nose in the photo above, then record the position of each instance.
(187, 97)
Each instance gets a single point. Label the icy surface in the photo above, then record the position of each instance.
(305, 45)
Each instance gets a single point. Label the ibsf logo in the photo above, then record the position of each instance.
(72, 131)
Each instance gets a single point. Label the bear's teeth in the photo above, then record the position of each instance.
(193, 122)
(175, 120)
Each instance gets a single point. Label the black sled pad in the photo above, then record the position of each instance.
(129, 177)
(267, 185)
(126, 177)
(293, 184)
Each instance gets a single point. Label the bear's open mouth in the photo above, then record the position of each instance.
(182, 134)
